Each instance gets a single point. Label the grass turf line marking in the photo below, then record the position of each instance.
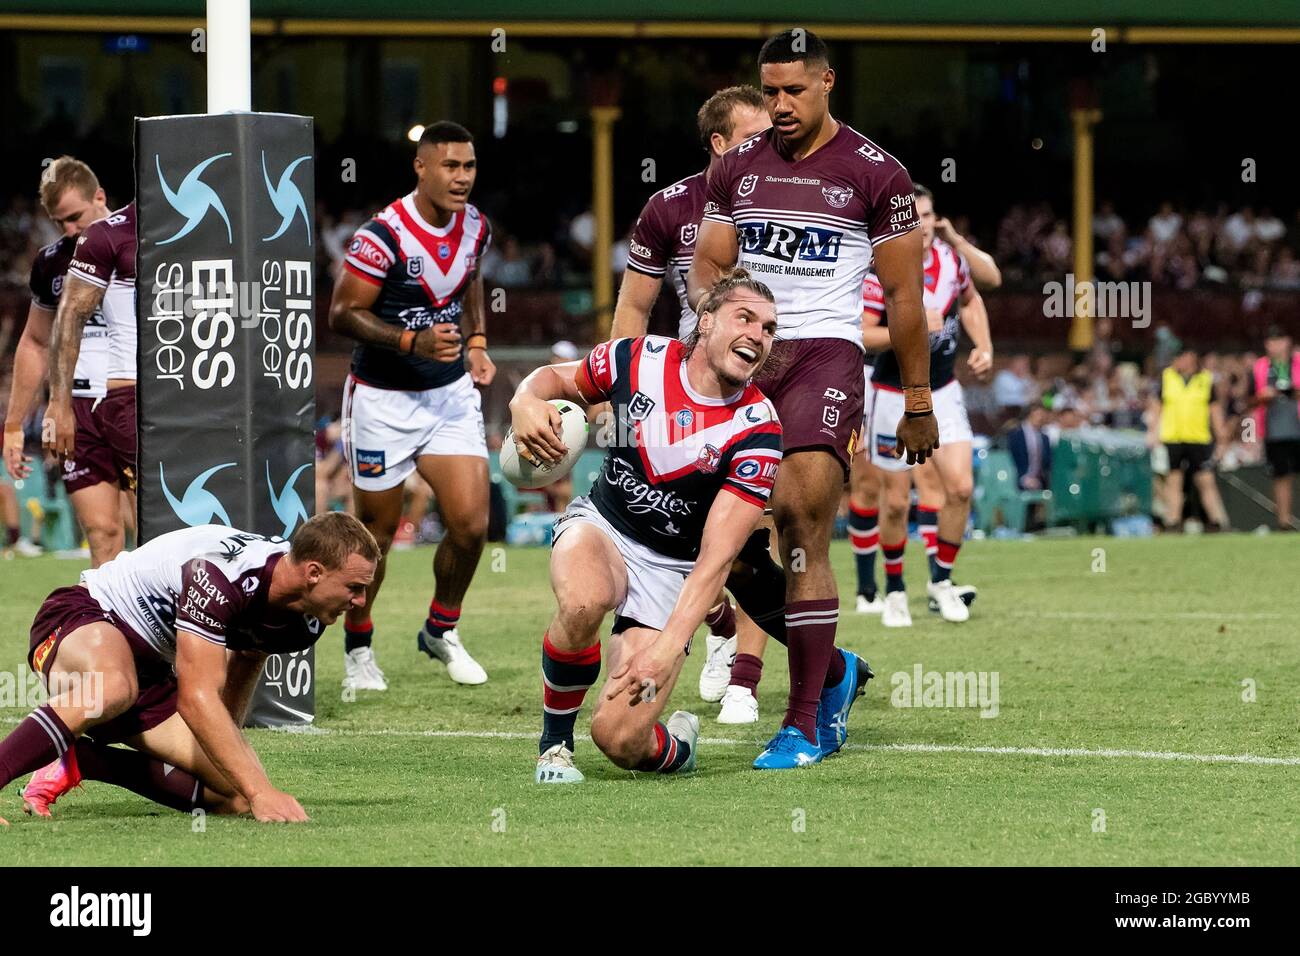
(900, 748)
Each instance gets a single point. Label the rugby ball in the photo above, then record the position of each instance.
(522, 473)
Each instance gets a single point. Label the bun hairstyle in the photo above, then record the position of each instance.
(731, 280)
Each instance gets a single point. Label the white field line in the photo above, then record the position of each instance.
(901, 748)
(1108, 753)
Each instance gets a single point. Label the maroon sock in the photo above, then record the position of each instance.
(140, 773)
(11, 536)
(722, 622)
(40, 739)
(834, 670)
(810, 629)
(747, 672)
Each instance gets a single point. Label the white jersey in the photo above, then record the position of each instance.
(807, 228)
(105, 257)
(209, 580)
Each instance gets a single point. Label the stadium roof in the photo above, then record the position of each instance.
(1195, 20)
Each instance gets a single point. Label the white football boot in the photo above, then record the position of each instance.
(873, 606)
(361, 670)
(720, 654)
(951, 606)
(556, 766)
(27, 549)
(685, 726)
(461, 668)
(739, 706)
(896, 612)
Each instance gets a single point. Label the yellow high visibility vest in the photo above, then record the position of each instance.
(1185, 408)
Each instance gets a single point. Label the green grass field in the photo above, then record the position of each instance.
(1124, 668)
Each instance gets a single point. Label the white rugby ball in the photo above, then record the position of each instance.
(522, 473)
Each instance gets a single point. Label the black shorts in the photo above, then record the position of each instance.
(1193, 458)
(1283, 457)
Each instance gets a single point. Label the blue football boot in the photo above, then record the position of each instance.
(836, 702)
(787, 750)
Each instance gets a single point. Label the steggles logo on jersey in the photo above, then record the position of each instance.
(287, 199)
(779, 241)
(837, 196)
(198, 505)
(747, 184)
(193, 199)
(642, 499)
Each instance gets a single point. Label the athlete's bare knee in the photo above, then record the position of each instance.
(959, 492)
(619, 740)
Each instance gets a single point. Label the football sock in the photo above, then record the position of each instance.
(893, 566)
(670, 753)
(441, 618)
(11, 537)
(140, 773)
(811, 627)
(357, 635)
(927, 525)
(747, 672)
(566, 678)
(722, 620)
(945, 559)
(864, 536)
(834, 669)
(41, 738)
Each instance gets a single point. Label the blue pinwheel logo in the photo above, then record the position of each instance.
(198, 505)
(194, 198)
(287, 503)
(287, 198)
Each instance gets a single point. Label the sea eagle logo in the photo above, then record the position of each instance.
(198, 505)
(287, 199)
(193, 199)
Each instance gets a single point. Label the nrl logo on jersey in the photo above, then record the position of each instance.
(415, 267)
(688, 233)
(837, 196)
(867, 151)
(747, 184)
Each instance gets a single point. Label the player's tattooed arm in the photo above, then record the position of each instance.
(731, 521)
(481, 367)
(716, 251)
(534, 420)
(350, 315)
(77, 304)
(31, 366)
(636, 297)
(202, 675)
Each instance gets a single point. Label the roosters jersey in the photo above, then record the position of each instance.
(947, 276)
(674, 449)
(807, 228)
(422, 272)
(49, 269)
(663, 239)
(105, 257)
(211, 581)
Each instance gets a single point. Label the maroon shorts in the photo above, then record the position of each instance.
(67, 609)
(92, 461)
(118, 425)
(816, 386)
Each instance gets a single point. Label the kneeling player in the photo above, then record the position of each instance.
(655, 539)
(161, 649)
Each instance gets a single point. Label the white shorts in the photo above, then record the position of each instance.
(654, 581)
(386, 430)
(868, 402)
(949, 409)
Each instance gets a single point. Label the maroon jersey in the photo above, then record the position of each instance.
(675, 450)
(48, 271)
(105, 257)
(663, 239)
(807, 228)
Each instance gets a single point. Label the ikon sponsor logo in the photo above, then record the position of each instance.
(788, 243)
(369, 252)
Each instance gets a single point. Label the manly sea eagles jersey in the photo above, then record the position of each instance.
(210, 580)
(48, 271)
(422, 273)
(663, 239)
(807, 228)
(675, 449)
(947, 276)
(105, 256)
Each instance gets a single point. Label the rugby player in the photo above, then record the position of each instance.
(805, 206)
(161, 648)
(100, 281)
(96, 475)
(662, 243)
(655, 540)
(944, 484)
(409, 288)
